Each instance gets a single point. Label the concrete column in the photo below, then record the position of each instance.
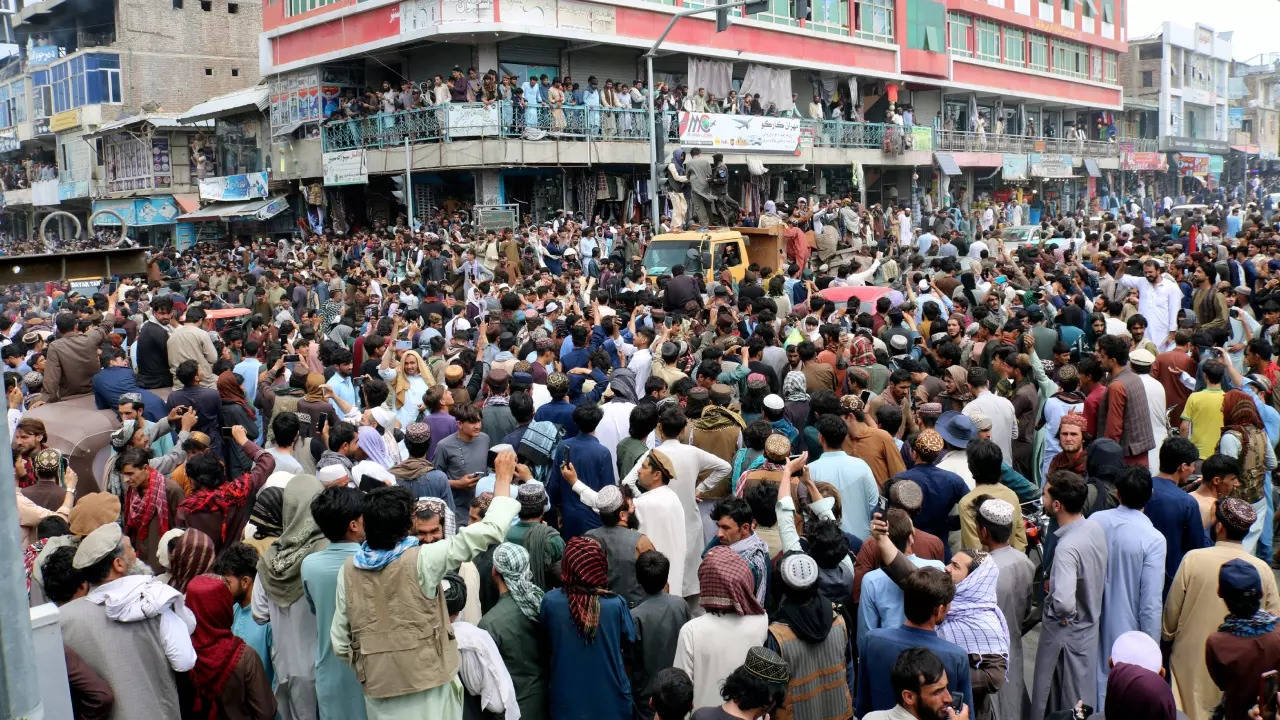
(486, 57)
(487, 187)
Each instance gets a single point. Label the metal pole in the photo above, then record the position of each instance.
(653, 102)
(19, 695)
(654, 202)
(408, 181)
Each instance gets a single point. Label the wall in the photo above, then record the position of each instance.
(161, 64)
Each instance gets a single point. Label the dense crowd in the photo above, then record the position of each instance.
(435, 471)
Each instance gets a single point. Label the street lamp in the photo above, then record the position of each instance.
(722, 23)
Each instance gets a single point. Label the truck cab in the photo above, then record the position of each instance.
(707, 252)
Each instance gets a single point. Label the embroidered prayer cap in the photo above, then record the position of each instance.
(418, 433)
(799, 571)
(558, 382)
(928, 442)
(532, 496)
(929, 410)
(1069, 372)
(852, 404)
(777, 447)
(907, 495)
(767, 665)
(1073, 418)
(47, 460)
(97, 545)
(608, 499)
(980, 421)
(997, 511)
(1236, 514)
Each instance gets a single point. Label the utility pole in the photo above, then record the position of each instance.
(19, 693)
(722, 23)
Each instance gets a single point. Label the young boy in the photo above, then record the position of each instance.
(658, 618)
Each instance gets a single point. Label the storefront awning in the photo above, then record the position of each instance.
(947, 162)
(225, 212)
(1091, 167)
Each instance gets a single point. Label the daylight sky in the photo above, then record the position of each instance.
(1253, 21)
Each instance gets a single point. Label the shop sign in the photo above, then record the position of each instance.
(234, 187)
(1215, 164)
(1047, 165)
(1192, 164)
(1014, 166)
(1131, 159)
(740, 133)
(474, 120)
(8, 140)
(922, 138)
(345, 167)
(65, 120)
(43, 54)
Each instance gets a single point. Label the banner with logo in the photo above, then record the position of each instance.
(474, 121)
(1046, 165)
(740, 133)
(1131, 159)
(234, 187)
(922, 137)
(345, 167)
(1013, 166)
(1192, 164)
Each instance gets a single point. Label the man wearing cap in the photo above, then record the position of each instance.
(1141, 362)
(544, 544)
(1194, 609)
(813, 641)
(71, 360)
(136, 650)
(1248, 642)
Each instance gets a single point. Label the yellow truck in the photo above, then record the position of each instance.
(711, 250)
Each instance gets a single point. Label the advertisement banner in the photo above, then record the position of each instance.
(65, 120)
(922, 138)
(1215, 164)
(44, 192)
(151, 210)
(741, 133)
(1137, 160)
(346, 167)
(234, 187)
(1192, 164)
(474, 121)
(1014, 167)
(1050, 166)
(1235, 118)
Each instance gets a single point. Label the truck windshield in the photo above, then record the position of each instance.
(663, 255)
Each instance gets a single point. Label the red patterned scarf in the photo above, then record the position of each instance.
(141, 507)
(222, 499)
(585, 570)
(218, 651)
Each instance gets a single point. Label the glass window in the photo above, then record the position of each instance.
(875, 20)
(297, 7)
(1015, 48)
(830, 17)
(1037, 51)
(986, 37)
(1070, 59)
(1109, 67)
(1095, 64)
(958, 34)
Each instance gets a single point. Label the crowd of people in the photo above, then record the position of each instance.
(445, 472)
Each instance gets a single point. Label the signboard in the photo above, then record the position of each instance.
(65, 120)
(73, 189)
(497, 217)
(1047, 165)
(86, 286)
(1014, 167)
(1131, 159)
(151, 210)
(234, 187)
(8, 140)
(1235, 118)
(345, 167)
(474, 120)
(740, 133)
(43, 54)
(922, 138)
(1192, 164)
(1215, 164)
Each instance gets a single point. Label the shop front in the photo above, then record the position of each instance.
(219, 221)
(151, 220)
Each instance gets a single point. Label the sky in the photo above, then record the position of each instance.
(1252, 21)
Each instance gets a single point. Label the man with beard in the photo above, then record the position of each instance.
(29, 438)
(1124, 415)
(126, 628)
(1071, 440)
(621, 540)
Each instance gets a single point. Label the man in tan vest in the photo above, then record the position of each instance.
(391, 623)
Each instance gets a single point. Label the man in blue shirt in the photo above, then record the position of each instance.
(927, 593)
(881, 602)
(559, 411)
(341, 381)
(1172, 510)
(588, 461)
(574, 352)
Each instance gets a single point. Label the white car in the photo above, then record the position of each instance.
(1030, 236)
(1184, 210)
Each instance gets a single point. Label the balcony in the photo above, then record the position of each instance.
(960, 141)
(473, 121)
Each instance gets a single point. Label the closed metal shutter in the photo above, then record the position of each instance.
(530, 51)
(618, 64)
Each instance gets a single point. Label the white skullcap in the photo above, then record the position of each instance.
(1136, 648)
(330, 473)
(608, 499)
(774, 402)
(997, 511)
(799, 571)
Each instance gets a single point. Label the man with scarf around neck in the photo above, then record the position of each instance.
(1248, 641)
(1194, 606)
(589, 631)
(150, 505)
(228, 680)
(391, 570)
(415, 472)
(1067, 401)
(220, 507)
(513, 624)
(1135, 568)
(1071, 452)
(735, 529)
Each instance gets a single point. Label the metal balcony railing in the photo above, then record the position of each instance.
(468, 121)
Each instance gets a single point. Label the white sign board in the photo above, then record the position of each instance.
(474, 121)
(346, 167)
(740, 133)
(419, 15)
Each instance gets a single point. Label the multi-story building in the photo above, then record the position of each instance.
(1253, 119)
(84, 64)
(1023, 84)
(1184, 72)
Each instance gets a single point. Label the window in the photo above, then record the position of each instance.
(1086, 8)
(1150, 51)
(1015, 47)
(958, 34)
(986, 37)
(206, 5)
(177, 4)
(1109, 67)
(232, 8)
(1070, 59)
(127, 159)
(1108, 11)
(208, 71)
(1147, 78)
(1037, 52)
(1068, 6)
(875, 20)
(235, 72)
(1095, 64)
(297, 7)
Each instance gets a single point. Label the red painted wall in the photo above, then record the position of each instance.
(1033, 22)
(273, 12)
(1019, 82)
(345, 32)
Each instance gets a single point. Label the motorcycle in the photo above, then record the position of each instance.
(1036, 523)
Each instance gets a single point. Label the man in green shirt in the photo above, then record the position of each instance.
(643, 420)
(544, 544)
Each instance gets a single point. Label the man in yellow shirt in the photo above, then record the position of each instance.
(1202, 416)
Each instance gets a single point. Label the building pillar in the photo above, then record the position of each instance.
(486, 57)
(488, 188)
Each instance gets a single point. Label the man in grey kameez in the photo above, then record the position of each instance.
(1067, 659)
(1013, 597)
(698, 170)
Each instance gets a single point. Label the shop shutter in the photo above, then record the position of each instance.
(606, 63)
(530, 51)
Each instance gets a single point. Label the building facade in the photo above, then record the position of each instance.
(980, 79)
(85, 64)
